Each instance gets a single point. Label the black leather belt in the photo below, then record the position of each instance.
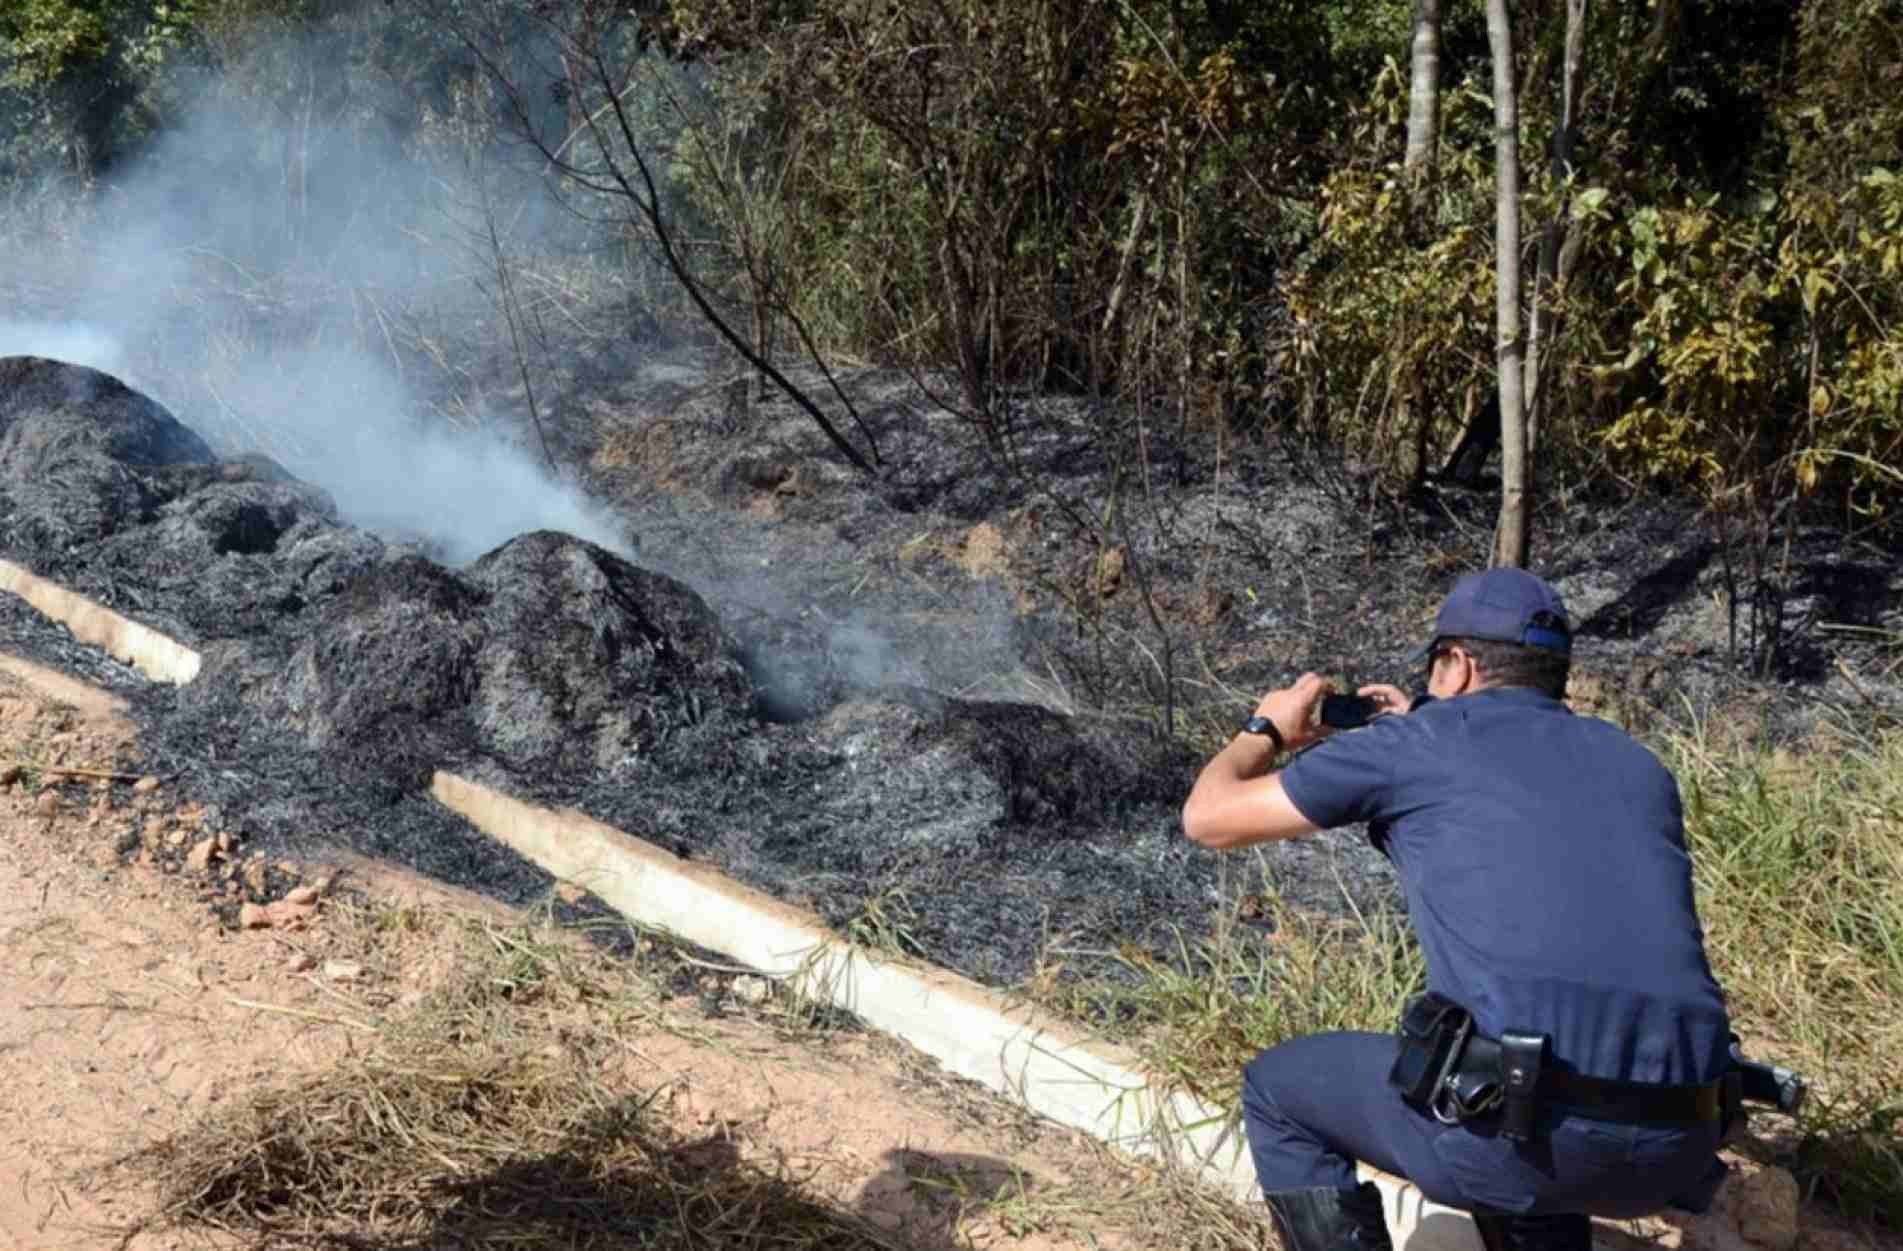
(1595, 1098)
(1636, 1103)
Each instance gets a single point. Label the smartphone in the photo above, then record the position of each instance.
(1348, 712)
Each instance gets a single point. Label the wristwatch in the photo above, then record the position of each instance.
(1262, 725)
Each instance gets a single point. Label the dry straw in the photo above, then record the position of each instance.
(488, 1116)
(495, 1113)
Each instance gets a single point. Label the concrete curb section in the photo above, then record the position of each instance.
(978, 1033)
(145, 649)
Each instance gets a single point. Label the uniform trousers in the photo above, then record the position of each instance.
(1315, 1105)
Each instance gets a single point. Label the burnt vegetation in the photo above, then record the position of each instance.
(943, 418)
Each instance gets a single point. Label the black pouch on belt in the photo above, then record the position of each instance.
(1521, 1058)
(1433, 1031)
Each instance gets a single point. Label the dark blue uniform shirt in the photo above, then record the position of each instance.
(1544, 863)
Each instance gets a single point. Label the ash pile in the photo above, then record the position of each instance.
(341, 669)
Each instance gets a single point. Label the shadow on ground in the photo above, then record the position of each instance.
(614, 1183)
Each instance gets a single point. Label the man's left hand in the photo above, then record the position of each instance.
(1393, 700)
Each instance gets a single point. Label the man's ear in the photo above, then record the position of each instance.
(1470, 678)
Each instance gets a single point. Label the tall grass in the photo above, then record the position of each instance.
(1799, 867)
(1266, 972)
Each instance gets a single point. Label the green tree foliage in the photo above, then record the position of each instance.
(1770, 325)
(1070, 193)
(71, 74)
(1200, 204)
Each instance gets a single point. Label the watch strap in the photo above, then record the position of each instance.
(1262, 725)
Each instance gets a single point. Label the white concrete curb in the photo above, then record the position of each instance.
(145, 649)
(1006, 1045)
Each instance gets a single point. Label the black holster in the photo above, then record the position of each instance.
(1444, 1068)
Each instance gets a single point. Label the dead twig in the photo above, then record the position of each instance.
(77, 771)
(1843, 667)
(301, 1014)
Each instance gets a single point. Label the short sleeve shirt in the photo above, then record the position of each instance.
(1543, 859)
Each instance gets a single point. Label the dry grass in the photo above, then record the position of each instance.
(483, 1116)
(489, 1114)
(1799, 865)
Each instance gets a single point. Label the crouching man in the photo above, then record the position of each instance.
(1567, 1058)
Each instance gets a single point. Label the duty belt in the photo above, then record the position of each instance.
(1483, 1067)
(1445, 1067)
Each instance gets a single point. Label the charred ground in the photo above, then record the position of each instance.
(846, 692)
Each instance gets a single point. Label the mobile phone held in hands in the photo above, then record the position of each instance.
(1348, 712)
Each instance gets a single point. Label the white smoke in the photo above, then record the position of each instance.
(310, 289)
(259, 275)
(74, 342)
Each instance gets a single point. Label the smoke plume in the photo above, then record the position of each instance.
(349, 295)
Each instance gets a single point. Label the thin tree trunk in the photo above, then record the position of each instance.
(1185, 317)
(1510, 539)
(1423, 103)
(1544, 321)
(1105, 349)
(1423, 138)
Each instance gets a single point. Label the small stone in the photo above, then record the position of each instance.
(289, 916)
(47, 805)
(1766, 1208)
(301, 895)
(176, 838)
(254, 917)
(288, 868)
(254, 878)
(145, 785)
(302, 962)
(342, 970)
(751, 989)
(569, 893)
(105, 857)
(198, 859)
(125, 841)
(325, 884)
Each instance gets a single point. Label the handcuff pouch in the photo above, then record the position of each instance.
(1434, 1029)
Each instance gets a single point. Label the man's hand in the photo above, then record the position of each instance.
(1236, 800)
(1393, 700)
(1294, 708)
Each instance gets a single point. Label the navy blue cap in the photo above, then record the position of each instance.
(1506, 605)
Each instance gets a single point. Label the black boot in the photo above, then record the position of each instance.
(1326, 1219)
(1503, 1231)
